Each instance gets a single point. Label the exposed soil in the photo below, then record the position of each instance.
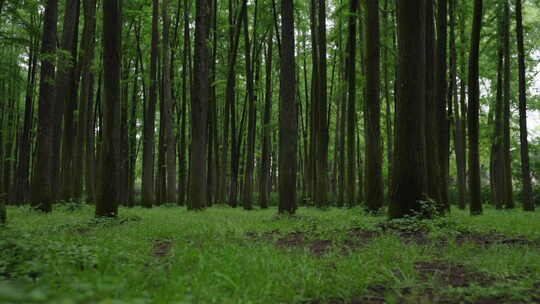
(455, 275)
(161, 248)
(494, 238)
(355, 238)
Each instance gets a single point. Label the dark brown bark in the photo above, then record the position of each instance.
(509, 196)
(473, 112)
(107, 202)
(247, 197)
(264, 180)
(374, 183)
(148, 189)
(22, 182)
(199, 110)
(350, 66)
(86, 61)
(288, 124)
(526, 191)
(432, 120)
(453, 100)
(441, 87)
(321, 190)
(63, 112)
(170, 142)
(408, 179)
(41, 192)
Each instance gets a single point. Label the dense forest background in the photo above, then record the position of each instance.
(182, 102)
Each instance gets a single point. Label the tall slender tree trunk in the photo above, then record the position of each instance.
(107, 202)
(247, 199)
(431, 118)
(374, 183)
(321, 191)
(62, 180)
(85, 104)
(288, 121)
(473, 112)
(350, 70)
(41, 191)
(441, 87)
(22, 185)
(170, 142)
(264, 180)
(148, 189)
(526, 191)
(509, 196)
(408, 179)
(458, 119)
(199, 110)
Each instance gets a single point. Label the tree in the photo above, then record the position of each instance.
(441, 83)
(351, 107)
(264, 180)
(473, 112)
(82, 149)
(526, 191)
(199, 110)
(409, 178)
(288, 121)
(148, 191)
(41, 192)
(374, 183)
(107, 202)
(170, 142)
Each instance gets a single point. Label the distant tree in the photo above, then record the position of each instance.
(288, 123)
(107, 202)
(264, 180)
(526, 191)
(350, 122)
(148, 190)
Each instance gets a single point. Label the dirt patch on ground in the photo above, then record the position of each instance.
(455, 275)
(161, 248)
(315, 242)
(493, 239)
(354, 238)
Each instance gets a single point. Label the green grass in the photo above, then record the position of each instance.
(68, 257)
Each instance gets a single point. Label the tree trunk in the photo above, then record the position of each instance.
(408, 179)
(509, 196)
(148, 189)
(107, 202)
(65, 84)
(199, 111)
(441, 105)
(41, 192)
(473, 112)
(170, 144)
(288, 124)
(374, 183)
(526, 191)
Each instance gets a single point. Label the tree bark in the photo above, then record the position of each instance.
(408, 179)
(288, 120)
(107, 202)
(473, 112)
(41, 192)
(199, 110)
(526, 191)
(374, 183)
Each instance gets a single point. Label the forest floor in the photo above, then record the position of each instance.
(224, 255)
